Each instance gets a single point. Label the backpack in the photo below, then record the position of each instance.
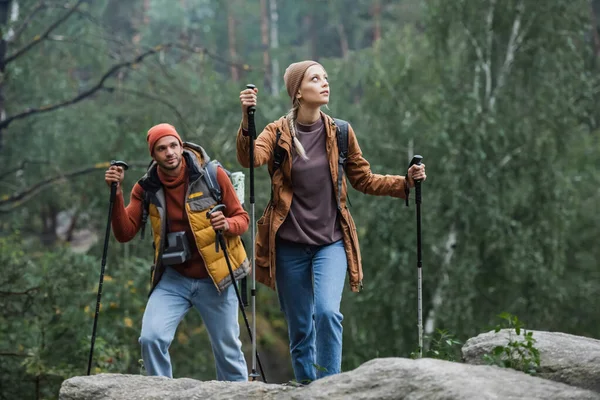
(342, 142)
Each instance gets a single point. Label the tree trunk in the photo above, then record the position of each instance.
(49, 214)
(311, 34)
(4, 13)
(343, 38)
(442, 284)
(594, 7)
(376, 15)
(146, 12)
(274, 48)
(231, 36)
(264, 39)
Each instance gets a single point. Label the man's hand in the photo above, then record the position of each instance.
(114, 174)
(219, 222)
(416, 173)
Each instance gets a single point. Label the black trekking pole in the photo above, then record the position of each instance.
(113, 194)
(252, 134)
(416, 160)
(220, 241)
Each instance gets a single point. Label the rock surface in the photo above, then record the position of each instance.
(384, 378)
(570, 359)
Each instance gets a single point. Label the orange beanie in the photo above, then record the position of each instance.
(159, 131)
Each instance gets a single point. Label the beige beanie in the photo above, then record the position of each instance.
(293, 76)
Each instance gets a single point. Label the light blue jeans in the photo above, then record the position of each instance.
(310, 280)
(174, 295)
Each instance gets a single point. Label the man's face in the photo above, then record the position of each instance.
(168, 153)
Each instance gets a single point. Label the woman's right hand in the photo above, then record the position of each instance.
(114, 174)
(248, 97)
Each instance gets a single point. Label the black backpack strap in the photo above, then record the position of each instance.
(210, 177)
(145, 206)
(278, 153)
(278, 158)
(342, 142)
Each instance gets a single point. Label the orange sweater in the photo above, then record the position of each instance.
(126, 221)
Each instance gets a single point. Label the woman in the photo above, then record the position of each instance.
(306, 241)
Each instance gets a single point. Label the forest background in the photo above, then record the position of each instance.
(500, 97)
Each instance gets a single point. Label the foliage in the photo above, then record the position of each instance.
(507, 123)
(443, 346)
(519, 354)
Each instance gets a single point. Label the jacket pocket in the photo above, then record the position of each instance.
(263, 230)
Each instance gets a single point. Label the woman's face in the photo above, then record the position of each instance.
(314, 89)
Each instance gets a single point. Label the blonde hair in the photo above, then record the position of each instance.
(291, 117)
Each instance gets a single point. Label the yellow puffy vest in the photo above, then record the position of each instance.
(199, 199)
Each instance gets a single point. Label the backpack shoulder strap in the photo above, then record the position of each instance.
(210, 177)
(342, 142)
(278, 157)
(342, 139)
(278, 153)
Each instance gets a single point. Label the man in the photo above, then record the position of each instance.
(176, 196)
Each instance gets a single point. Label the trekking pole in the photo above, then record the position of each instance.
(220, 241)
(416, 160)
(252, 134)
(113, 194)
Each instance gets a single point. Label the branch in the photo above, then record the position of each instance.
(26, 292)
(38, 38)
(100, 84)
(10, 203)
(20, 167)
(201, 50)
(66, 39)
(4, 354)
(150, 97)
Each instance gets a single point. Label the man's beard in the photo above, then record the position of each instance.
(170, 167)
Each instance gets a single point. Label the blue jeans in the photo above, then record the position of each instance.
(174, 295)
(310, 280)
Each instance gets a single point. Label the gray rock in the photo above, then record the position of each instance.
(570, 359)
(401, 378)
(139, 387)
(384, 378)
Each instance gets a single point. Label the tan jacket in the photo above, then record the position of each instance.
(358, 172)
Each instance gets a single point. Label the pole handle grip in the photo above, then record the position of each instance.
(251, 109)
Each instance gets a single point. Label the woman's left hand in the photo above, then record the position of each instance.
(416, 173)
